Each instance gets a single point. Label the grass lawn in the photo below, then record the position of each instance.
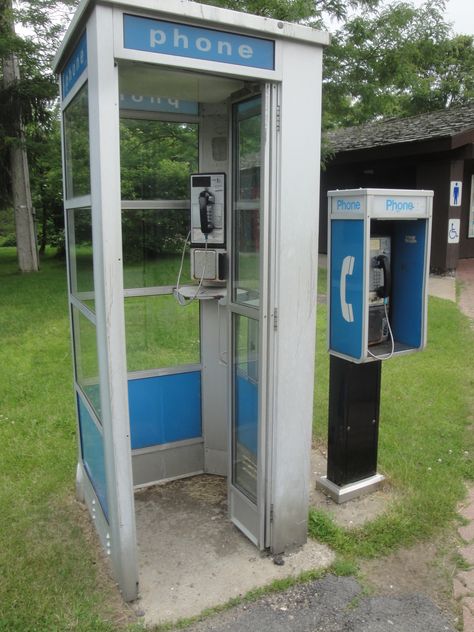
(50, 577)
(48, 570)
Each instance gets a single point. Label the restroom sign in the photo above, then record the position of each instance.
(453, 231)
(455, 196)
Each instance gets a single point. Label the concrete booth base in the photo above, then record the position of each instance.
(214, 561)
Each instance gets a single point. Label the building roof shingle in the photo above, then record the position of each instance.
(430, 125)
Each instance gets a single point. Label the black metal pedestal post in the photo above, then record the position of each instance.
(354, 404)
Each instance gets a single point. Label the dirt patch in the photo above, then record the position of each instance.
(426, 568)
(208, 489)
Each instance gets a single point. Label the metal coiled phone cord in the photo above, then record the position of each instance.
(182, 300)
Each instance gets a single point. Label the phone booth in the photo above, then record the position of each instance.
(191, 149)
(379, 251)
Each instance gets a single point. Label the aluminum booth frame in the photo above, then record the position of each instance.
(237, 56)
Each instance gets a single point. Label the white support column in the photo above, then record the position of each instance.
(294, 292)
(108, 279)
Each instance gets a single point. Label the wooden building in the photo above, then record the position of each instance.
(429, 151)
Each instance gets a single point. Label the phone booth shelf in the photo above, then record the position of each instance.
(155, 97)
(378, 260)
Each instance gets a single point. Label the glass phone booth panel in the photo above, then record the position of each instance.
(247, 494)
(159, 149)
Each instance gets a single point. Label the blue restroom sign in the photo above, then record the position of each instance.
(455, 197)
(182, 40)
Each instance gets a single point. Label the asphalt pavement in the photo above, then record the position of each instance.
(331, 604)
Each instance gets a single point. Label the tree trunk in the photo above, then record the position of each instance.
(27, 252)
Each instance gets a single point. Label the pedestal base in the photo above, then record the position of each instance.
(352, 490)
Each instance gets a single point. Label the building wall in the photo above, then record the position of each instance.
(435, 175)
(466, 245)
(426, 171)
(387, 174)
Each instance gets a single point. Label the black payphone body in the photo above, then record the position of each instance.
(379, 289)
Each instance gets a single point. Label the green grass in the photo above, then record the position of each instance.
(50, 578)
(160, 333)
(163, 270)
(49, 572)
(322, 280)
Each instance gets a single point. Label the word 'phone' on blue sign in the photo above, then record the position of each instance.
(75, 66)
(182, 40)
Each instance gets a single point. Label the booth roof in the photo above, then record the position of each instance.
(203, 14)
(431, 125)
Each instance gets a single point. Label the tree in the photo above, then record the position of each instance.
(313, 12)
(399, 61)
(44, 148)
(156, 159)
(27, 90)
(20, 177)
(393, 60)
(17, 164)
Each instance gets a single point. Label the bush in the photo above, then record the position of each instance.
(8, 240)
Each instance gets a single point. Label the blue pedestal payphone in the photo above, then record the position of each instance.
(379, 246)
(378, 272)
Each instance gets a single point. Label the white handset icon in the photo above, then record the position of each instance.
(346, 270)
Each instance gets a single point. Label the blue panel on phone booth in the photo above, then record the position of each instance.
(164, 409)
(408, 270)
(246, 413)
(75, 66)
(346, 269)
(92, 448)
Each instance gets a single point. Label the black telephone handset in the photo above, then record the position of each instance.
(383, 262)
(206, 202)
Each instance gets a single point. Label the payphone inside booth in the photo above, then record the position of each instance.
(181, 124)
(208, 202)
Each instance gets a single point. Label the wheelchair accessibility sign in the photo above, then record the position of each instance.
(453, 231)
